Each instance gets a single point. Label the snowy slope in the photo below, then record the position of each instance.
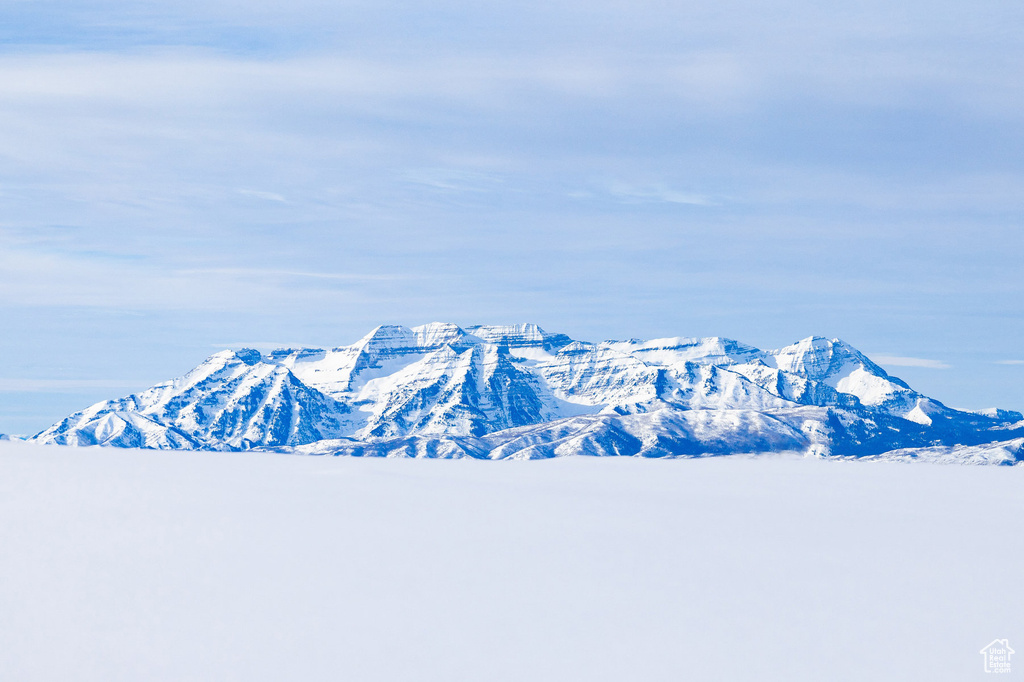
(233, 400)
(440, 390)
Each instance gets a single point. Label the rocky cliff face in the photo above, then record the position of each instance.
(515, 391)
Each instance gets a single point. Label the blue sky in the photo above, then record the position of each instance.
(176, 179)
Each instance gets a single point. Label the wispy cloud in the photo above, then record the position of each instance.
(268, 196)
(1010, 362)
(454, 179)
(40, 277)
(658, 194)
(904, 361)
(272, 272)
(263, 345)
(64, 385)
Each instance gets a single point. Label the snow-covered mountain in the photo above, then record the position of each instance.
(439, 390)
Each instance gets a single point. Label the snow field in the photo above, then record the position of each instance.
(171, 565)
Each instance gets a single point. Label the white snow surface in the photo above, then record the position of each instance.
(1000, 452)
(126, 565)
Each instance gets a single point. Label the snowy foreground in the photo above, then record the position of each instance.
(167, 565)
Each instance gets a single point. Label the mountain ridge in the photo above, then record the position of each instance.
(519, 391)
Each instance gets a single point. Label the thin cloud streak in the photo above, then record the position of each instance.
(658, 194)
(269, 272)
(262, 345)
(903, 361)
(65, 385)
(268, 196)
(52, 279)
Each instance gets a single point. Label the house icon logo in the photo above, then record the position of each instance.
(997, 656)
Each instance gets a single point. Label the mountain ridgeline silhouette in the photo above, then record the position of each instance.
(439, 390)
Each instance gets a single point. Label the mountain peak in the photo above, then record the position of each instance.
(438, 333)
(249, 356)
(526, 335)
(815, 357)
(387, 335)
